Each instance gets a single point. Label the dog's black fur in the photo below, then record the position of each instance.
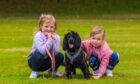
(74, 39)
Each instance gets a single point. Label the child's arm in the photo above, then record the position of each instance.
(103, 65)
(57, 45)
(41, 44)
(83, 43)
(85, 46)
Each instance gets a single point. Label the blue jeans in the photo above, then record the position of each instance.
(94, 62)
(37, 62)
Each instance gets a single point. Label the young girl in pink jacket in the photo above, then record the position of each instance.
(101, 58)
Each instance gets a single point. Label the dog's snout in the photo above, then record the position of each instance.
(71, 40)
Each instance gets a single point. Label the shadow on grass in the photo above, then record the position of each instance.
(44, 76)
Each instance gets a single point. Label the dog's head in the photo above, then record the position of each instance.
(71, 41)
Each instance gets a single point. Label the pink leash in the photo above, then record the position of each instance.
(52, 57)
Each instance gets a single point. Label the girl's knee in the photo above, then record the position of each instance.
(93, 60)
(113, 60)
(37, 56)
(60, 56)
(115, 56)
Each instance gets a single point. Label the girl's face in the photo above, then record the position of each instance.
(97, 40)
(47, 28)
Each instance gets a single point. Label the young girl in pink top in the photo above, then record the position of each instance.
(101, 58)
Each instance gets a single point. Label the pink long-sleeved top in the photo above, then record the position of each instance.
(103, 53)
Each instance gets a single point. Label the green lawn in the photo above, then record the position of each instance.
(16, 35)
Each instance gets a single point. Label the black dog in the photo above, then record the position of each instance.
(75, 56)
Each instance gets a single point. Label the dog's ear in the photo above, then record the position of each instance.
(78, 41)
(65, 42)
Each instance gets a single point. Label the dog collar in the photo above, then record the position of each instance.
(72, 57)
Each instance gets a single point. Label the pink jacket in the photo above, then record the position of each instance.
(103, 54)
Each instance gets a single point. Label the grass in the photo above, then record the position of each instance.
(16, 34)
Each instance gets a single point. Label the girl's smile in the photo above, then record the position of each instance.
(47, 28)
(97, 40)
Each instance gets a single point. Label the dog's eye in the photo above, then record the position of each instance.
(68, 36)
(73, 36)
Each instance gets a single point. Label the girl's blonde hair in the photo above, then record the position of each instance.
(97, 30)
(47, 19)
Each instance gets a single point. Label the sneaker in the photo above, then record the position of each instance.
(94, 73)
(109, 73)
(34, 74)
(56, 73)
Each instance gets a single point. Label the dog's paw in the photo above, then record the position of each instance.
(69, 77)
(87, 77)
(74, 73)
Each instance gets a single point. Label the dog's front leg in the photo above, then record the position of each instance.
(68, 70)
(85, 70)
(74, 71)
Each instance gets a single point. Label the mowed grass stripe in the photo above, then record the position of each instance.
(16, 41)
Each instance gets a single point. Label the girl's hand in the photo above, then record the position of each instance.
(87, 58)
(50, 35)
(96, 77)
(91, 41)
